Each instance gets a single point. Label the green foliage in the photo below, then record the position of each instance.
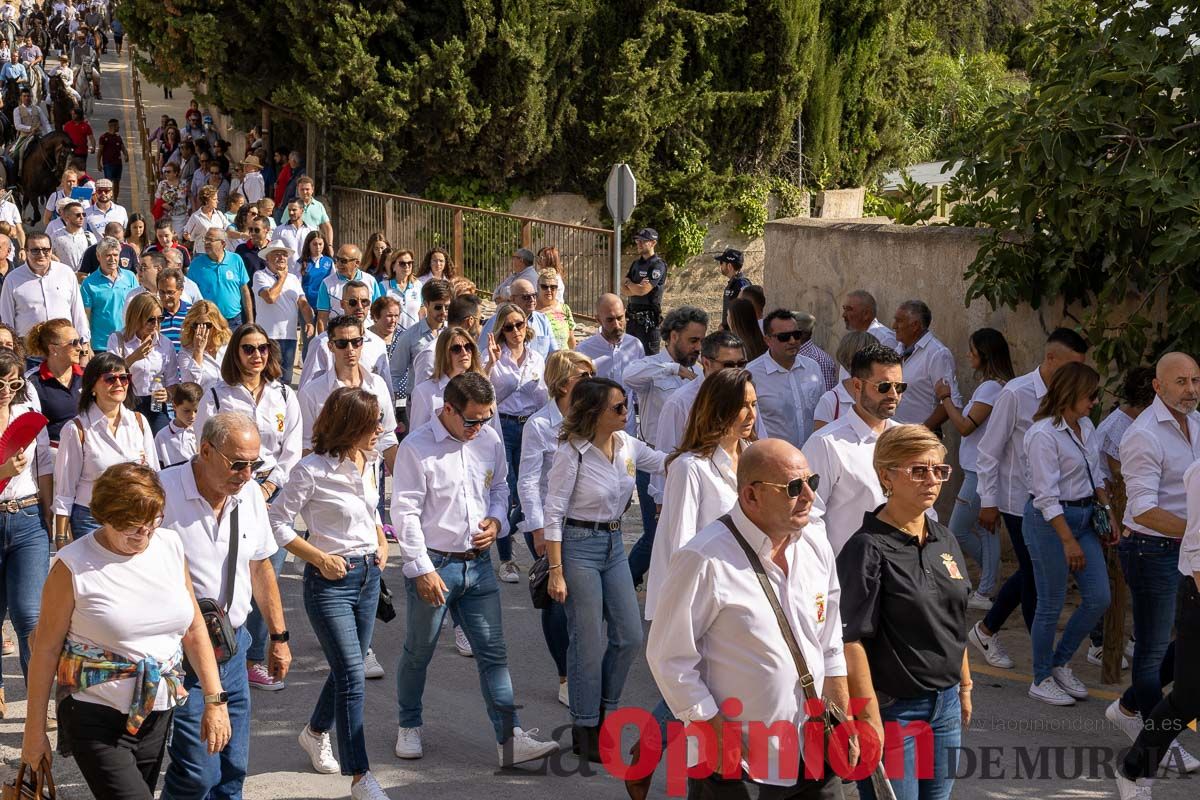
(472, 192)
(1090, 180)
(911, 205)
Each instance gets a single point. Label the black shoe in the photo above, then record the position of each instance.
(585, 742)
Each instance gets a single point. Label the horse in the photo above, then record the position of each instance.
(12, 97)
(41, 170)
(61, 102)
(83, 85)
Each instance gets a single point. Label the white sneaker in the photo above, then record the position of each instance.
(462, 644)
(1067, 681)
(1096, 656)
(1048, 691)
(1133, 790)
(978, 601)
(1130, 726)
(408, 743)
(1176, 757)
(509, 573)
(563, 696)
(524, 747)
(1129, 649)
(368, 789)
(371, 666)
(320, 751)
(990, 647)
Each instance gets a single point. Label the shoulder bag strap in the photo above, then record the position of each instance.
(216, 400)
(231, 565)
(806, 679)
(1086, 466)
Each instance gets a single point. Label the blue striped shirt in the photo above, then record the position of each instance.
(172, 324)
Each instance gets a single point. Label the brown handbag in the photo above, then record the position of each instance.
(38, 787)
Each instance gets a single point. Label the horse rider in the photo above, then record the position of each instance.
(84, 58)
(67, 75)
(14, 70)
(30, 122)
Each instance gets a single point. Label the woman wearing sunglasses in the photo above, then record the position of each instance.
(104, 433)
(454, 353)
(590, 484)
(400, 281)
(58, 380)
(549, 302)
(202, 344)
(904, 613)
(1064, 526)
(149, 356)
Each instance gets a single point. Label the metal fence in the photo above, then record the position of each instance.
(480, 242)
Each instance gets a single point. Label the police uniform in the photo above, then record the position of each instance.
(645, 311)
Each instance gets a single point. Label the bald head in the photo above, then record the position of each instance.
(1172, 363)
(521, 293)
(766, 460)
(1177, 382)
(611, 313)
(764, 472)
(609, 302)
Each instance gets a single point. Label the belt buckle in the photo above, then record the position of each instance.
(10, 506)
(613, 525)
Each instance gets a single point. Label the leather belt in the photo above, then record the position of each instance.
(608, 525)
(1083, 502)
(466, 555)
(11, 506)
(515, 418)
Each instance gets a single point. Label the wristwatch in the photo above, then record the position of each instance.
(218, 699)
(282, 636)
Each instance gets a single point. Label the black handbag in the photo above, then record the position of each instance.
(539, 583)
(385, 610)
(216, 615)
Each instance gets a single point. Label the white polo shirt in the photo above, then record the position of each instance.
(929, 362)
(174, 445)
(276, 415)
(787, 398)
(96, 220)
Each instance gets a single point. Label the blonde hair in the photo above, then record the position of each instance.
(205, 311)
(140, 309)
(560, 366)
(502, 314)
(207, 193)
(42, 335)
(441, 352)
(903, 442)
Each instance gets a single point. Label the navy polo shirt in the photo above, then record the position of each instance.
(60, 404)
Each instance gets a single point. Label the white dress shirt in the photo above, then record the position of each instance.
(374, 356)
(539, 443)
(207, 373)
(80, 462)
(174, 445)
(520, 388)
(339, 505)
(929, 362)
(697, 492)
(654, 378)
(787, 398)
(206, 538)
(585, 485)
(276, 415)
(1001, 463)
(1058, 468)
(843, 454)
(40, 458)
(314, 395)
(278, 319)
(1155, 453)
(334, 284)
(449, 488)
(160, 362)
(411, 342)
(422, 364)
(968, 450)
(1189, 550)
(28, 298)
(1111, 430)
(885, 335)
(69, 247)
(612, 360)
(719, 639)
(427, 400)
(834, 404)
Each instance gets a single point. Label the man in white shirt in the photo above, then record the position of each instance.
(611, 349)
(252, 181)
(436, 295)
(654, 378)
(345, 271)
(451, 507)
(209, 499)
(843, 452)
(103, 210)
(860, 312)
(356, 298)
(525, 298)
(1004, 485)
(1156, 451)
(70, 245)
(10, 214)
(42, 289)
(521, 266)
(293, 233)
(926, 361)
(788, 384)
(719, 637)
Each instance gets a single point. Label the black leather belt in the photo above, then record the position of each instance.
(1081, 503)
(609, 525)
(466, 555)
(515, 418)
(12, 506)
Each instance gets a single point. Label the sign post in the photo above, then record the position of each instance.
(621, 193)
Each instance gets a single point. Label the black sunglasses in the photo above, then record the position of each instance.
(787, 336)
(112, 378)
(472, 423)
(239, 466)
(513, 326)
(342, 344)
(796, 485)
(344, 260)
(885, 387)
(251, 349)
(459, 349)
(548, 287)
(408, 263)
(733, 364)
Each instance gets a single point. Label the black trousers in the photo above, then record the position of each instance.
(717, 788)
(643, 325)
(115, 764)
(1172, 714)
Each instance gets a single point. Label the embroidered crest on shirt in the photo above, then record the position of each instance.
(279, 422)
(487, 479)
(629, 467)
(951, 566)
(820, 603)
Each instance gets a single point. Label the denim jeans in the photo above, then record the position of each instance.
(256, 626)
(193, 774)
(554, 626)
(1020, 589)
(342, 614)
(980, 544)
(941, 710)
(82, 521)
(639, 554)
(471, 588)
(599, 592)
(1151, 567)
(287, 359)
(1050, 571)
(236, 321)
(24, 564)
(512, 453)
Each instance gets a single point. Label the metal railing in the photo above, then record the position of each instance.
(149, 163)
(480, 242)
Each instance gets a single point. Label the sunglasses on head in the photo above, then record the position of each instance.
(472, 423)
(115, 378)
(921, 472)
(239, 466)
(788, 336)
(796, 485)
(885, 387)
(342, 344)
(250, 349)
(509, 327)
(459, 349)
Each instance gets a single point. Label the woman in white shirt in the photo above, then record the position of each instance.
(1063, 453)
(453, 354)
(278, 298)
(539, 443)
(590, 484)
(400, 281)
(992, 363)
(202, 344)
(118, 617)
(105, 433)
(335, 489)
(205, 217)
(838, 401)
(516, 371)
(149, 357)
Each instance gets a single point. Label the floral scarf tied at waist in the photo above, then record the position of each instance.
(82, 666)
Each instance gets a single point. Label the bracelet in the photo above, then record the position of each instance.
(556, 566)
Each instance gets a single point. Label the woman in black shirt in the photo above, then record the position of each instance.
(904, 609)
(58, 380)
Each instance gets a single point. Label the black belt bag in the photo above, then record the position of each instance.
(216, 615)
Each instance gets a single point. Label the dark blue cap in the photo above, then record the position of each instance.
(649, 234)
(731, 256)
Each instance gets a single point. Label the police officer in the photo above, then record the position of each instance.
(730, 263)
(644, 288)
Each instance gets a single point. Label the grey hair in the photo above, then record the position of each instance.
(172, 274)
(919, 310)
(160, 261)
(867, 298)
(216, 230)
(850, 344)
(220, 428)
(107, 245)
(680, 318)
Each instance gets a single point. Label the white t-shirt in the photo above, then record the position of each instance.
(968, 451)
(278, 318)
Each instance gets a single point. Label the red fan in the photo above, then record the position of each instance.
(21, 431)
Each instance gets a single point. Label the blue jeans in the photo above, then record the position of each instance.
(256, 626)
(24, 564)
(193, 774)
(82, 521)
(512, 453)
(342, 614)
(941, 710)
(287, 359)
(980, 544)
(599, 591)
(639, 554)
(471, 588)
(236, 321)
(1151, 567)
(1050, 572)
(1020, 589)
(554, 626)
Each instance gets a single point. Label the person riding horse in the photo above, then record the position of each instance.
(31, 123)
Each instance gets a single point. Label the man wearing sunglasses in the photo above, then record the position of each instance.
(74, 240)
(356, 298)
(345, 269)
(42, 289)
(926, 361)
(463, 313)
(104, 210)
(436, 295)
(612, 350)
(222, 278)
(523, 297)
(251, 249)
(104, 292)
(788, 384)
(843, 451)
